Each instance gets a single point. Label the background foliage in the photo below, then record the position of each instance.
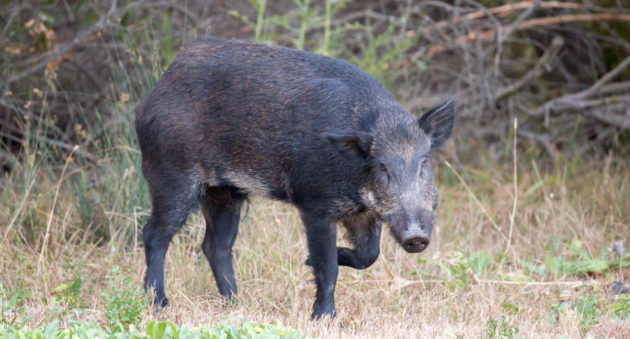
(533, 194)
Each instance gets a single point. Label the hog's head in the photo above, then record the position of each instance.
(399, 185)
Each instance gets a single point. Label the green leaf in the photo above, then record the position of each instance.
(510, 307)
(125, 19)
(538, 185)
(533, 268)
(156, 330)
(478, 262)
(622, 305)
(90, 17)
(77, 7)
(52, 328)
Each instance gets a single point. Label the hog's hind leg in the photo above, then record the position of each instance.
(169, 211)
(222, 209)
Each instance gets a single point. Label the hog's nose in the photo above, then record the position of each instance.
(415, 244)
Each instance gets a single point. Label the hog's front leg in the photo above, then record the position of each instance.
(321, 234)
(365, 234)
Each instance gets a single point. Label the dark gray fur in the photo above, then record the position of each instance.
(229, 119)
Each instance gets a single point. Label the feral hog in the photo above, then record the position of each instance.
(230, 119)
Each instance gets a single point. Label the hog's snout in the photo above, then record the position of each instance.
(415, 244)
(412, 231)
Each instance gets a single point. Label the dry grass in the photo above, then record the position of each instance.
(53, 221)
(399, 296)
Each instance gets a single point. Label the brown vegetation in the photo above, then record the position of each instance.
(515, 197)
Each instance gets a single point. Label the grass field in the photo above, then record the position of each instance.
(543, 271)
(522, 246)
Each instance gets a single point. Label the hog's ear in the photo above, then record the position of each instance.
(353, 146)
(438, 122)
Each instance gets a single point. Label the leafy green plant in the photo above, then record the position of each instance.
(70, 291)
(556, 311)
(11, 305)
(577, 261)
(261, 6)
(306, 13)
(154, 330)
(501, 329)
(621, 306)
(478, 262)
(586, 307)
(461, 269)
(124, 300)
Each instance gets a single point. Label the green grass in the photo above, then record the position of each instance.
(154, 330)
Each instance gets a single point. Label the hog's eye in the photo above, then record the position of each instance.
(423, 163)
(382, 167)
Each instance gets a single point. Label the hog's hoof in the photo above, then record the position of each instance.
(229, 301)
(323, 315)
(160, 304)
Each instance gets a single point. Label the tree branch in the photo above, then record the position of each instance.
(532, 23)
(41, 61)
(606, 116)
(505, 10)
(540, 67)
(571, 99)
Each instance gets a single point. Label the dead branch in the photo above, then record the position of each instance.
(505, 10)
(615, 87)
(40, 120)
(605, 101)
(517, 23)
(541, 66)
(41, 61)
(606, 115)
(503, 35)
(532, 23)
(83, 154)
(599, 83)
(572, 100)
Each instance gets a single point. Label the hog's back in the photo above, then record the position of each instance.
(252, 116)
